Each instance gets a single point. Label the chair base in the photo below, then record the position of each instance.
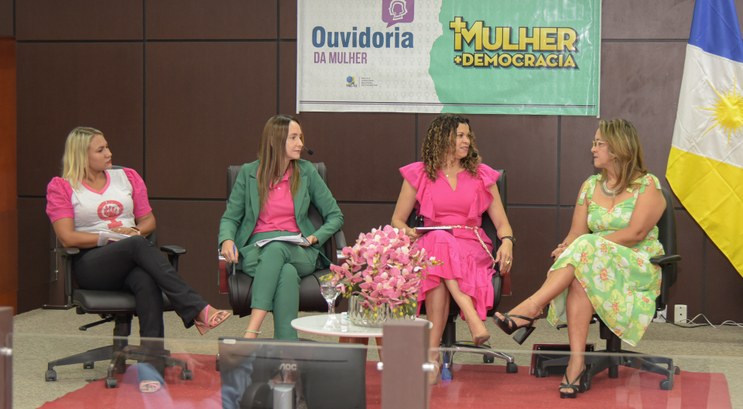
(149, 354)
(607, 360)
(87, 358)
(488, 357)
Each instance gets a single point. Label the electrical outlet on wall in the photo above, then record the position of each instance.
(662, 315)
(679, 315)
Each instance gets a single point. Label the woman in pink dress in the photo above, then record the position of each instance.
(450, 187)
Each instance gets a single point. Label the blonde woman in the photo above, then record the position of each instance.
(603, 264)
(106, 213)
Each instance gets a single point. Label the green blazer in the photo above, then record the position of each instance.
(243, 206)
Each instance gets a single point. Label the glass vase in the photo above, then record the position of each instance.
(375, 316)
(366, 316)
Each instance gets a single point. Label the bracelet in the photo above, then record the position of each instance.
(513, 239)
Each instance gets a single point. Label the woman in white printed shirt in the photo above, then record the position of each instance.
(92, 202)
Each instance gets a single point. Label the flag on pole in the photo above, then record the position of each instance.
(705, 165)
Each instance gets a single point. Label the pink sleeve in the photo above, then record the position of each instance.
(59, 200)
(139, 193)
(489, 175)
(413, 173)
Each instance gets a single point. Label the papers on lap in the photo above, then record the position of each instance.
(294, 238)
(429, 228)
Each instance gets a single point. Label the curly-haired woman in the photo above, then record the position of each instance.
(450, 187)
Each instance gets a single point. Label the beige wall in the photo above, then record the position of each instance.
(182, 89)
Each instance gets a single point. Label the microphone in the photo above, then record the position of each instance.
(308, 150)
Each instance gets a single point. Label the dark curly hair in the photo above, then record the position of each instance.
(440, 139)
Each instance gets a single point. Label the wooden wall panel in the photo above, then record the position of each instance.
(35, 259)
(188, 94)
(8, 176)
(206, 107)
(194, 226)
(362, 217)
(535, 229)
(641, 81)
(78, 20)
(7, 26)
(650, 20)
(363, 152)
(287, 92)
(199, 19)
(694, 272)
(288, 19)
(64, 85)
(524, 146)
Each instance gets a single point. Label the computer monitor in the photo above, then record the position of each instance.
(319, 375)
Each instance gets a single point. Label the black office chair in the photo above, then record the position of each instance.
(614, 355)
(449, 343)
(116, 306)
(239, 285)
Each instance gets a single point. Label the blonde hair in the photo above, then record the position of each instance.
(440, 138)
(271, 155)
(624, 144)
(75, 157)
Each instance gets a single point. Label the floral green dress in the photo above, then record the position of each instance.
(620, 281)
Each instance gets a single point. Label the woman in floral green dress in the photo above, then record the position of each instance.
(603, 265)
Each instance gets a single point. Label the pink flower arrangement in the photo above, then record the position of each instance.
(385, 268)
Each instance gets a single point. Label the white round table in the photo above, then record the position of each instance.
(313, 324)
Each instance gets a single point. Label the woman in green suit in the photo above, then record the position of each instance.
(270, 198)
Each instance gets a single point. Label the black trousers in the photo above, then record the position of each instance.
(135, 264)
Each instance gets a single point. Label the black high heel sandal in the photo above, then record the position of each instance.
(508, 325)
(575, 388)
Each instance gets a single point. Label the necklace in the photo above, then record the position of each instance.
(608, 192)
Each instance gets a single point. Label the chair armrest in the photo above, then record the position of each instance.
(67, 251)
(172, 249)
(340, 239)
(339, 242)
(173, 252)
(665, 259)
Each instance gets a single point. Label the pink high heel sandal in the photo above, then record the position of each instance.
(212, 321)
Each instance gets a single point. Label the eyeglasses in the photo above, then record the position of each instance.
(597, 143)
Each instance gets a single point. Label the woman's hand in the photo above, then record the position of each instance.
(411, 232)
(504, 256)
(312, 239)
(129, 231)
(229, 251)
(560, 248)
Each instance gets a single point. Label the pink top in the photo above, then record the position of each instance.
(122, 199)
(440, 205)
(278, 212)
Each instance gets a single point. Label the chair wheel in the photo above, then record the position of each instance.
(51, 375)
(511, 367)
(88, 365)
(186, 375)
(488, 359)
(676, 370)
(111, 383)
(666, 384)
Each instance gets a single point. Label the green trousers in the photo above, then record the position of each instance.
(277, 269)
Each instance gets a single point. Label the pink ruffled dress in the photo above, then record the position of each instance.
(463, 257)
